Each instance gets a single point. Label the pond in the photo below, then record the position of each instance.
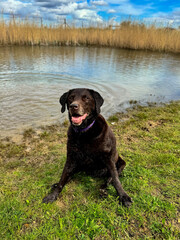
(33, 78)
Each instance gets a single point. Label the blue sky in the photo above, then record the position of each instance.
(163, 11)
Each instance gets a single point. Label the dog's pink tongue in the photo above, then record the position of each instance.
(78, 120)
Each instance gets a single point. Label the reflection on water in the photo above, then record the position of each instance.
(33, 78)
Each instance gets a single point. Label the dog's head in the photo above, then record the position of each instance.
(83, 105)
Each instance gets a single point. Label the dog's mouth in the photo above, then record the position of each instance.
(78, 119)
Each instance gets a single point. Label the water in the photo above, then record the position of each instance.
(33, 78)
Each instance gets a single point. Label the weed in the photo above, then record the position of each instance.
(133, 102)
(28, 133)
(113, 118)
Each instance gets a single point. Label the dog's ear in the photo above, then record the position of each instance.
(98, 100)
(63, 101)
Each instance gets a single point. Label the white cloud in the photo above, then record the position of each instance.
(161, 18)
(15, 7)
(65, 9)
(129, 9)
(99, 3)
(85, 5)
(116, 1)
(87, 14)
(82, 9)
(111, 11)
(51, 9)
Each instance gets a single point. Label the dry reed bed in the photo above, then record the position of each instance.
(131, 35)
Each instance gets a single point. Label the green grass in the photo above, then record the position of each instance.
(148, 139)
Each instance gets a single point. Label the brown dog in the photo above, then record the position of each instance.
(91, 145)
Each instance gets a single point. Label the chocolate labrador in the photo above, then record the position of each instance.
(91, 145)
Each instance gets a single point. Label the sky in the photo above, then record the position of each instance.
(99, 11)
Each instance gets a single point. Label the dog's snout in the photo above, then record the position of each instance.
(74, 105)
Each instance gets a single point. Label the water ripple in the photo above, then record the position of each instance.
(33, 79)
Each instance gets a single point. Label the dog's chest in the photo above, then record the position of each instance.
(87, 155)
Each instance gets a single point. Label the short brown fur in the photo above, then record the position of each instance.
(91, 146)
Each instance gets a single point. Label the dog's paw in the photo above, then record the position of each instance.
(50, 197)
(126, 200)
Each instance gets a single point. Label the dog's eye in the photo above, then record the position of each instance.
(84, 98)
(71, 98)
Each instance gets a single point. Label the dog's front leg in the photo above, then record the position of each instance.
(123, 196)
(68, 172)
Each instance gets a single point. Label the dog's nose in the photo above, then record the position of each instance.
(74, 105)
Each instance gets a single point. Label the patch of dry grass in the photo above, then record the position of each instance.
(129, 34)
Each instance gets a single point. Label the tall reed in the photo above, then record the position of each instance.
(129, 34)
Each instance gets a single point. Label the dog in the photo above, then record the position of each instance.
(91, 144)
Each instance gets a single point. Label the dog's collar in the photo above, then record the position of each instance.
(82, 130)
